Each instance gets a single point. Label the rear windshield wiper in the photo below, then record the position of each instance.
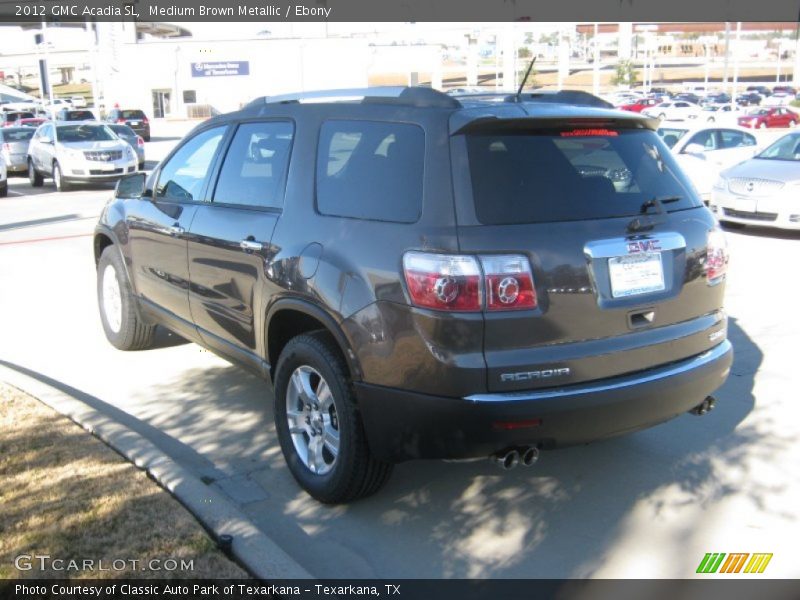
(645, 222)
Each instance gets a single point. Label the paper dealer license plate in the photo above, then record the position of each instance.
(636, 274)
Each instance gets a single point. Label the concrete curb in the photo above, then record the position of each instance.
(257, 552)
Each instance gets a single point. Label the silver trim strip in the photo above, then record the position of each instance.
(696, 362)
(668, 240)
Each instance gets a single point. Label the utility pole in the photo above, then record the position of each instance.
(736, 64)
(596, 65)
(727, 56)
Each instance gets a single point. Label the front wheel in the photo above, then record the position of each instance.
(58, 179)
(122, 324)
(35, 178)
(319, 426)
(4, 189)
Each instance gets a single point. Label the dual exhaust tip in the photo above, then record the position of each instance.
(705, 407)
(511, 457)
(528, 455)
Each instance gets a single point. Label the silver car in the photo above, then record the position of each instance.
(764, 190)
(79, 152)
(14, 147)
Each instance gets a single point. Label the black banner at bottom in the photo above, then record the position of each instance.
(405, 589)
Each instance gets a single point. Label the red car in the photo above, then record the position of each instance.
(15, 118)
(639, 105)
(764, 117)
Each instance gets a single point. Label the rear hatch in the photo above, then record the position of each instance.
(617, 241)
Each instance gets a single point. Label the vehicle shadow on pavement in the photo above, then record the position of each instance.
(567, 516)
(561, 517)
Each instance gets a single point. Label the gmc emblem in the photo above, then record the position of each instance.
(644, 246)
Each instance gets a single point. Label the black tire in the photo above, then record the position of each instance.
(58, 179)
(4, 189)
(732, 225)
(141, 166)
(133, 332)
(146, 137)
(355, 473)
(34, 176)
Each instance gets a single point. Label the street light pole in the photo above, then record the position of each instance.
(736, 64)
(596, 69)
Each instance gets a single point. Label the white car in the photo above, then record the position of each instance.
(778, 99)
(703, 152)
(719, 113)
(78, 152)
(3, 178)
(764, 190)
(78, 101)
(674, 110)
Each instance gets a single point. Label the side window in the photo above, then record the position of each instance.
(370, 170)
(183, 176)
(705, 139)
(255, 166)
(734, 139)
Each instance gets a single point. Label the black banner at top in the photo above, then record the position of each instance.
(66, 11)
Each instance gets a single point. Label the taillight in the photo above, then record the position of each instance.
(121, 120)
(442, 281)
(460, 283)
(139, 140)
(509, 282)
(716, 256)
(144, 120)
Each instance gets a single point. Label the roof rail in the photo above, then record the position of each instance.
(423, 97)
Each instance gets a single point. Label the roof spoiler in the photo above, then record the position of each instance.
(496, 124)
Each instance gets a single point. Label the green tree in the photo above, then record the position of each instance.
(624, 73)
(523, 52)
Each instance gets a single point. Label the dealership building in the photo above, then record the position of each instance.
(163, 69)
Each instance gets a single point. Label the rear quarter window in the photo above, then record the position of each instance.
(370, 170)
(551, 176)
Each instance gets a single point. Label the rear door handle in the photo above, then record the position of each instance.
(251, 245)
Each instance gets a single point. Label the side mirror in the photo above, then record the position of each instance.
(131, 186)
(694, 149)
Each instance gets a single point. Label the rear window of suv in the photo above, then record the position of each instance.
(132, 114)
(370, 170)
(549, 176)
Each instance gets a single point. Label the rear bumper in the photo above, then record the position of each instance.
(403, 425)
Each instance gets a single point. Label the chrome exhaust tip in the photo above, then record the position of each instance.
(529, 455)
(705, 407)
(506, 460)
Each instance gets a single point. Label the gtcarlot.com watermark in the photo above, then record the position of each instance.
(45, 562)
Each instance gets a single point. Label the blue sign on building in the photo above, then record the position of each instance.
(225, 68)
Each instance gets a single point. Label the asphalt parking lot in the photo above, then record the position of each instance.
(647, 505)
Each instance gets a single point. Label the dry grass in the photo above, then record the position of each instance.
(65, 494)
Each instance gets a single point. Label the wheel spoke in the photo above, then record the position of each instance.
(301, 380)
(331, 439)
(315, 460)
(324, 395)
(297, 422)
